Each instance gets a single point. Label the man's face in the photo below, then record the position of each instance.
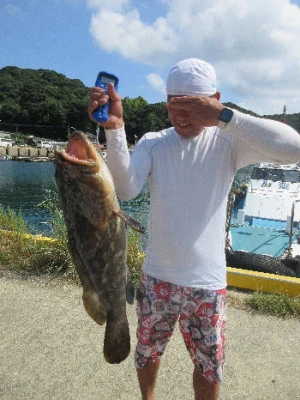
(182, 121)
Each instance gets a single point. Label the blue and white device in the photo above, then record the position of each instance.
(103, 79)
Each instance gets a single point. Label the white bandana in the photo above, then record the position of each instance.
(192, 77)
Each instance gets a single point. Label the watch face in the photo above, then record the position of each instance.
(226, 115)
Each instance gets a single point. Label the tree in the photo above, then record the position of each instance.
(133, 116)
(40, 98)
(46, 103)
(155, 117)
(9, 110)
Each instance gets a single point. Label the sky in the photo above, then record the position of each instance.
(253, 45)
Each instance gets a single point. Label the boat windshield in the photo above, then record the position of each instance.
(269, 174)
(292, 176)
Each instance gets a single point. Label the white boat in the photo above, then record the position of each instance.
(5, 158)
(264, 233)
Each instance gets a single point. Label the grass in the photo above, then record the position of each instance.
(16, 247)
(135, 256)
(22, 252)
(279, 305)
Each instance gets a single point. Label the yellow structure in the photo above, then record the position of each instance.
(263, 282)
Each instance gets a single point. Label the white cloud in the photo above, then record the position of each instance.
(128, 35)
(13, 10)
(253, 45)
(157, 82)
(98, 5)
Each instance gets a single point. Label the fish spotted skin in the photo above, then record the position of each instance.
(96, 239)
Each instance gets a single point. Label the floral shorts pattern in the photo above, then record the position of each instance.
(202, 320)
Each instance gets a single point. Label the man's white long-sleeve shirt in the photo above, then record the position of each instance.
(189, 184)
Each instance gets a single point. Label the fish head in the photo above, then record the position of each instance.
(84, 181)
(80, 154)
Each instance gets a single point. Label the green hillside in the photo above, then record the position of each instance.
(45, 103)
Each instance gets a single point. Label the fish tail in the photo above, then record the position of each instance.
(116, 341)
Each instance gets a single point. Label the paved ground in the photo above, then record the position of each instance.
(50, 349)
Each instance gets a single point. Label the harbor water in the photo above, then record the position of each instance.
(24, 186)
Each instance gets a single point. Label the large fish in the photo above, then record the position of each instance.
(96, 238)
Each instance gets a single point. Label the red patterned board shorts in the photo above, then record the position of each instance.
(202, 320)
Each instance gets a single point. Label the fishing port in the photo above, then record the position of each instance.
(26, 154)
(27, 147)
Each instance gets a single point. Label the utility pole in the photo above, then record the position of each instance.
(283, 119)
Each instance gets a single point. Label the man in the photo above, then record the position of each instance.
(190, 169)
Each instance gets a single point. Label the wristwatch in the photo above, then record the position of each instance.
(224, 117)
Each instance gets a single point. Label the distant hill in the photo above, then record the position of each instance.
(234, 106)
(290, 119)
(39, 99)
(45, 103)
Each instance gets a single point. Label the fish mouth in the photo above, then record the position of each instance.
(79, 151)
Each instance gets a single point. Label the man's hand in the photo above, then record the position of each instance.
(201, 111)
(98, 97)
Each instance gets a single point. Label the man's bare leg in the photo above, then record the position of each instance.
(147, 379)
(204, 390)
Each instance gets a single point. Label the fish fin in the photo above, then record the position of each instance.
(93, 305)
(130, 221)
(117, 340)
